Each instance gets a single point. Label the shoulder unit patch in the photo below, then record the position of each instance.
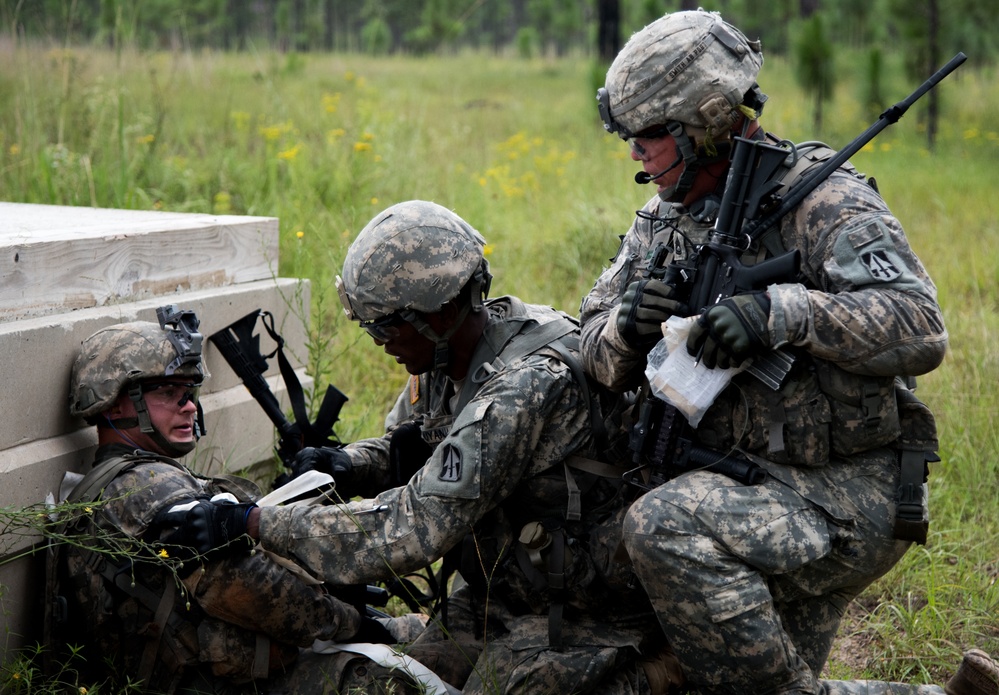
(450, 464)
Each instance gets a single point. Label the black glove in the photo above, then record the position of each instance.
(372, 631)
(333, 461)
(731, 331)
(205, 527)
(644, 306)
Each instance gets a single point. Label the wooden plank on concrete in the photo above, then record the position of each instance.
(38, 353)
(55, 259)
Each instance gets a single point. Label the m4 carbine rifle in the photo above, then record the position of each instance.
(240, 347)
(661, 439)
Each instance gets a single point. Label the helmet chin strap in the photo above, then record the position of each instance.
(691, 164)
(481, 280)
(441, 352)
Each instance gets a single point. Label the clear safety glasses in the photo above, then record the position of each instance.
(171, 393)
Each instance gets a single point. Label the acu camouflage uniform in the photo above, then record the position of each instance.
(750, 582)
(497, 468)
(226, 626)
(798, 548)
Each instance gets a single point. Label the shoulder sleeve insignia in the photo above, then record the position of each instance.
(450, 464)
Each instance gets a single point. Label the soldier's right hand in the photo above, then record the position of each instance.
(645, 305)
(330, 460)
(205, 527)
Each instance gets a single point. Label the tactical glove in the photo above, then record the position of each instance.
(333, 461)
(731, 331)
(644, 306)
(205, 527)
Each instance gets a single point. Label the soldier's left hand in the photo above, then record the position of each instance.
(731, 331)
(205, 527)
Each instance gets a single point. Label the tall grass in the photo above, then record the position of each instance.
(515, 147)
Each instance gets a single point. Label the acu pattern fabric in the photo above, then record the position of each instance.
(496, 468)
(750, 583)
(233, 621)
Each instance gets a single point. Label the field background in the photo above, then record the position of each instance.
(324, 142)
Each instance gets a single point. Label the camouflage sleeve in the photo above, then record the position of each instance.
(133, 499)
(524, 420)
(251, 591)
(606, 356)
(256, 593)
(874, 307)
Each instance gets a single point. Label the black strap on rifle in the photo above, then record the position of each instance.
(314, 433)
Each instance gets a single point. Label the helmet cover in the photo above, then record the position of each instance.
(415, 255)
(115, 357)
(690, 67)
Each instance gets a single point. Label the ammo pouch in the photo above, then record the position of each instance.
(863, 409)
(825, 411)
(917, 447)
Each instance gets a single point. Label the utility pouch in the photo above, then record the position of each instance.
(864, 409)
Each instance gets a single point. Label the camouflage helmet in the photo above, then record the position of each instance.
(413, 256)
(688, 67)
(116, 357)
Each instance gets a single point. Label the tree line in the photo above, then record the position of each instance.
(925, 32)
(523, 27)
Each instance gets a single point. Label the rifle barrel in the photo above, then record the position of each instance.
(887, 117)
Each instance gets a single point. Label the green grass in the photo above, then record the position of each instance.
(516, 148)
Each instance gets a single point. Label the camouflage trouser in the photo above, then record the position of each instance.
(750, 582)
(516, 659)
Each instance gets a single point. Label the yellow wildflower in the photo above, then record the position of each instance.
(333, 135)
(331, 101)
(374, 201)
(163, 553)
(299, 234)
(145, 139)
(362, 146)
(290, 153)
(221, 204)
(241, 119)
(15, 149)
(273, 132)
(487, 250)
(367, 136)
(88, 510)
